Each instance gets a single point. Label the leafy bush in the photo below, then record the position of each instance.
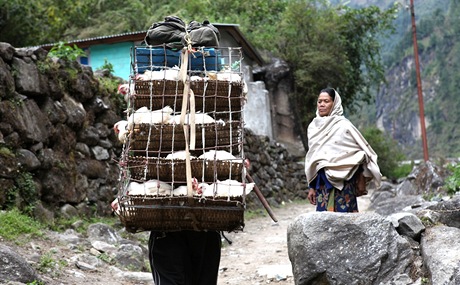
(51, 264)
(35, 282)
(453, 181)
(389, 154)
(110, 84)
(403, 170)
(65, 51)
(107, 65)
(6, 152)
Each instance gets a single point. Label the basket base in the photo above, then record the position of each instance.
(181, 213)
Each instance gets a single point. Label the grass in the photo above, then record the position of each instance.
(63, 224)
(19, 227)
(6, 152)
(15, 226)
(35, 282)
(106, 258)
(252, 214)
(51, 264)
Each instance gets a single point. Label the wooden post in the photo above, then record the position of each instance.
(419, 84)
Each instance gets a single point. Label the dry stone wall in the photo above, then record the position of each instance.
(57, 146)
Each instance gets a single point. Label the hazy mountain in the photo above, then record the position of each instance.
(396, 108)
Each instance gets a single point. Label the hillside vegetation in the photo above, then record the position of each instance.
(438, 37)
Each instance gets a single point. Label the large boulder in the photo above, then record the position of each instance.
(445, 212)
(13, 267)
(441, 253)
(337, 248)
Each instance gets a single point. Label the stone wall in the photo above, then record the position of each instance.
(58, 150)
(57, 146)
(278, 174)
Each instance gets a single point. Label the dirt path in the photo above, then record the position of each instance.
(259, 255)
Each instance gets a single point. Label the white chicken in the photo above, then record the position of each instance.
(180, 191)
(115, 206)
(144, 116)
(127, 90)
(168, 74)
(217, 154)
(121, 130)
(182, 154)
(245, 90)
(151, 187)
(200, 118)
(196, 78)
(197, 188)
(228, 76)
(227, 188)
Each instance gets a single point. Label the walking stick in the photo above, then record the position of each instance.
(262, 199)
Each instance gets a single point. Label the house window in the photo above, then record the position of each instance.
(84, 59)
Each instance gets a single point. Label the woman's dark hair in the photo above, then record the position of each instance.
(329, 91)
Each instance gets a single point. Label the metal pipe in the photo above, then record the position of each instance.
(419, 84)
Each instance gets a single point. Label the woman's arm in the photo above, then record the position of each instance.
(312, 196)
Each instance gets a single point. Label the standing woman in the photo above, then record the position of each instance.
(337, 155)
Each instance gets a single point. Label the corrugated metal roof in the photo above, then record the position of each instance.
(82, 43)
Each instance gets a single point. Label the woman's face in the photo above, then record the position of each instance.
(324, 104)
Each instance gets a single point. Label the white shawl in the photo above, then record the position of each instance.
(336, 145)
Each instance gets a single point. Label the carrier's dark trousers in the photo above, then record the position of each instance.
(185, 257)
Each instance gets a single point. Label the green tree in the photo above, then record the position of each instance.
(332, 46)
(117, 16)
(24, 22)
(19, 22)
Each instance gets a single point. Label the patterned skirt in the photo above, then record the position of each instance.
(343, 201)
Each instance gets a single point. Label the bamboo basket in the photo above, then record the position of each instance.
(143, 156)
(209, 96)
(168, 170)
(140, 213)
(169, 137)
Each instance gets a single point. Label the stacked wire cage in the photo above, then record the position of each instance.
(183, 165)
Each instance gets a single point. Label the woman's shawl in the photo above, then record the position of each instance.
(336, 145)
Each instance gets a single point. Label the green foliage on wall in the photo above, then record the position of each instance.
(65, 51)
(23, 195)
